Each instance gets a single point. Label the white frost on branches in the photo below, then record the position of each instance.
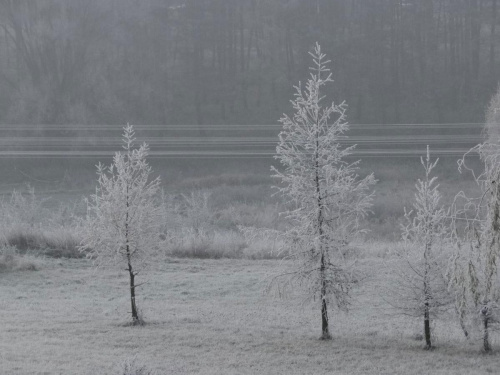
(124, 211)
(420, 288)
(123, 216)
(327, 196)
(474, 275)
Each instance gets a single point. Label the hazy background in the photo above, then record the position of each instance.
(203, 62)
(205, 82)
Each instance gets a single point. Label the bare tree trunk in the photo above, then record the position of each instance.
(427, 326)
(135, 315)
(427, 253)
(427, 319)
(325, 332)
(486, 340)
(461, 318)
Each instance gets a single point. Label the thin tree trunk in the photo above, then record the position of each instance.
(427, 297)
(325, 331)
(486, 340)
(427, 326)
(427, 254)
(461, 318)
(135, 315)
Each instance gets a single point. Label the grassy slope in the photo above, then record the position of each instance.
(208, 317)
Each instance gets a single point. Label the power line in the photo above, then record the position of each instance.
(76, 127)
(237, 141)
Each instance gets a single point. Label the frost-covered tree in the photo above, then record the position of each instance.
(123, 216)
(327, 197)
(419, 287)
(474, 273)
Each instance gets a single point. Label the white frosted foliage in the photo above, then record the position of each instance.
(123, 216)
(474, 274)
(326, 196)
(419, 286)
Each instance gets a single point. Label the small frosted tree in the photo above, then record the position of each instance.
(327, 197)
(419, 288)
(123, 216)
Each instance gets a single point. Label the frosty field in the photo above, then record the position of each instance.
(212, 317)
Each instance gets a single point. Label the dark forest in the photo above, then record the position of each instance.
(235, 62)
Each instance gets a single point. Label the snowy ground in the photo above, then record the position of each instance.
(209, 317)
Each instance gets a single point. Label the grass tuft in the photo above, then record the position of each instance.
(10, 260)
(132, 367)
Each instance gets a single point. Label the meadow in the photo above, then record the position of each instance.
(211, 317)
(204, 303)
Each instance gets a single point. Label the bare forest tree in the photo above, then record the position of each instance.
(327, 197)
(419, 288)
(123, 216)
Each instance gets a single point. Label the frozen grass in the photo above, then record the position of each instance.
(200, 225)
(11, 260)
(211, 317)
(132, 367)
(206, 245)
(35, 225)
(59, 242)
(203, 215)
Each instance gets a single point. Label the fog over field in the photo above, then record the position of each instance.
(249, 187)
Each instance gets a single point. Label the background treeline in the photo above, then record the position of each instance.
(219, 61)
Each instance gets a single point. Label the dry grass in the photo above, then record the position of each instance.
(11, 260)
(33, 224)
(59, 242)
(210, 317)
(207, 245)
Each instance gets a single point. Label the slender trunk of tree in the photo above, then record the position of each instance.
(461, 318)
(325, 332)
(427, 326)
(427, 253)
(135, 315)
(486, 340)
(427, 297)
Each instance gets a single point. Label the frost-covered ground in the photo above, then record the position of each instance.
(210, 317)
